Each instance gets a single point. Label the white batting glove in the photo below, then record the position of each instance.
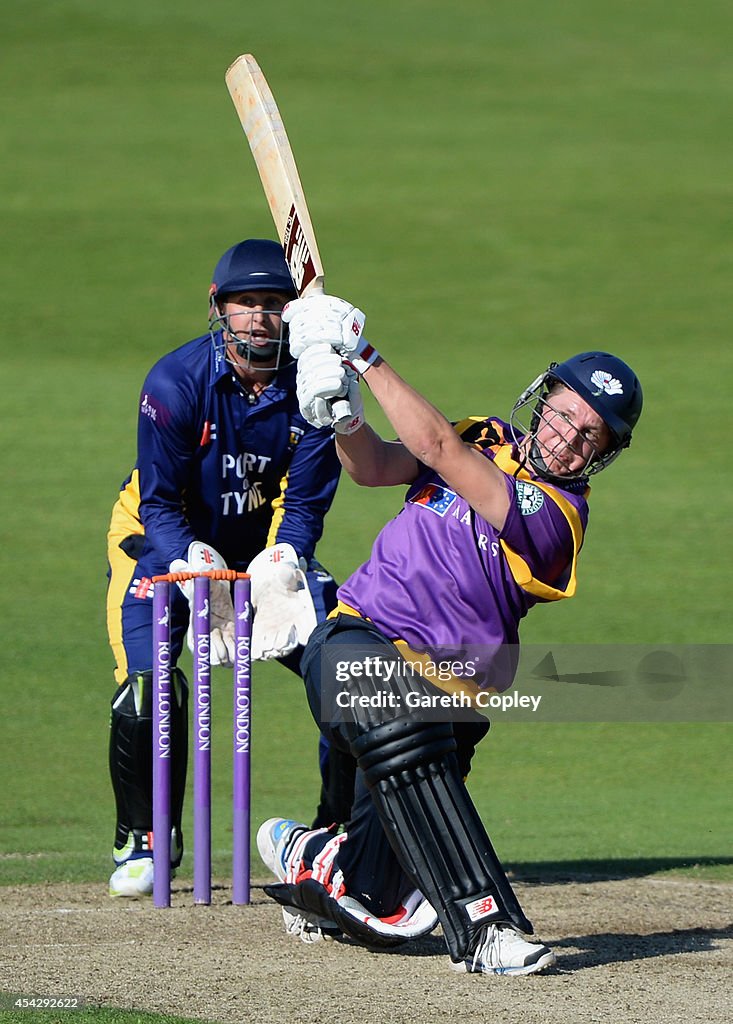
(284, 615)
(320, 319)
(357, 418)
(201, 558)
(321, 378)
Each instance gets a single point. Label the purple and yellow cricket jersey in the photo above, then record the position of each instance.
(441, 577)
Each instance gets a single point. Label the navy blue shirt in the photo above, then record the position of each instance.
(215, 464)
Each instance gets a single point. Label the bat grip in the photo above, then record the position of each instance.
(340, 409)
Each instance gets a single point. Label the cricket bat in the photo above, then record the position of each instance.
(278, 173)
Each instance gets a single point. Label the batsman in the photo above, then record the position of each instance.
(492, 523)
(229, 474)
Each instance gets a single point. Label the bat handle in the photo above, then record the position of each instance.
(340, 409)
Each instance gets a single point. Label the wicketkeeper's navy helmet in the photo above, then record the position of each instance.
(605, 382)
(255, 265)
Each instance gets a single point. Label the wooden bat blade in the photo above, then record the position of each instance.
(268, 140)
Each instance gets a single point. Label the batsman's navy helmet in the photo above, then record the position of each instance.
(608, 385)
(257, 264)
(605, 382)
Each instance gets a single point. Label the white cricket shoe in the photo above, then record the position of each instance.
(275, 840)
(133, 878)
(502, 950)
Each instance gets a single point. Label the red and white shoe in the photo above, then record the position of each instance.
(280, 842)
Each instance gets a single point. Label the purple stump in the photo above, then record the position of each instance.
(201, 742)
(161, 744)
(242, 742)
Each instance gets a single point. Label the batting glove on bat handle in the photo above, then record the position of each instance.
(326, 319)
(356, 418)
(328, 390)
(341, 411)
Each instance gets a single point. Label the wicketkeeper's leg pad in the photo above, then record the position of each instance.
(131, 759)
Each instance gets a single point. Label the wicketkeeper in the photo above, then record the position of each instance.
(492, 523)
(228, 474)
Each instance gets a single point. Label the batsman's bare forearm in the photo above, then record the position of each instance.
(429, 438)
(373, 462)
(420, 426)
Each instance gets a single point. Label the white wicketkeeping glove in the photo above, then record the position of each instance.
(320, 319)
(284, 615)
(201, 558)
(322, 377)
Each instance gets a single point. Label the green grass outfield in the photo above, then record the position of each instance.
(87, 1016)
(497, 185)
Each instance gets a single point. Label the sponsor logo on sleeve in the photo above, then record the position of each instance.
(151, 407)
(147, 408)
(530, 499)
(438, 499)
